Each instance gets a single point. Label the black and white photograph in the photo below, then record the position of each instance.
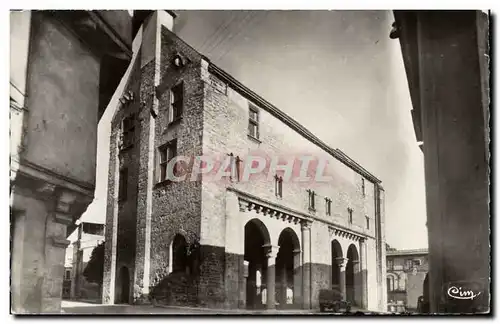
(304, 162)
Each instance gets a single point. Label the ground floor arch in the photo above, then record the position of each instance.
(256, 240)
(288, 269)
(353, 275)
(337, 262)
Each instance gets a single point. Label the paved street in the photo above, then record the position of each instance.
(75, 307)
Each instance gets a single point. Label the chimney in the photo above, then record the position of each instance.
(152, 24)
(140, 16)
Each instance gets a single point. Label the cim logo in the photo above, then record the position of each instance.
(460, 293)
(464, 290)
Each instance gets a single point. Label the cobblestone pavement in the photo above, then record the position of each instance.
(76, 307)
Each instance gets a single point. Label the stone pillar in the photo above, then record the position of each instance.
(306, 265)
(111, 229)
(297, 278)
(356, 264)
(272, 252)
(284, 285)
(443, 48)
(364, 274)
(243, 288)
(341, 263)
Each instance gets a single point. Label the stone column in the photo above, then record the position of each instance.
(284, 285)
(272, 252)
(297, 278)
(363, 276)
(243, 288)
(341, 263)
(356, 265)
(306, 265)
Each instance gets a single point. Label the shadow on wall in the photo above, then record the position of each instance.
(176, 289)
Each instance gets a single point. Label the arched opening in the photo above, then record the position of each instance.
(288, 267)
(125, 285)
(179, 254)
(337, 256)
(352, 276)
(392, 282)
(256, 237)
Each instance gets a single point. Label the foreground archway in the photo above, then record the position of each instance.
(288, 270)
(353, 276)
(256, 238)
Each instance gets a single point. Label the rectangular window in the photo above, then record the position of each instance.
(390, 264)
(409, 264)
(128, 131)
(417, 263)
(312, 198)
(122, 192)
(167, 152)
(363, 186)
(278, 186)
(253, 121)
(68, 275)
(349, 211)
(328, 206)
(367, 222)
(234, 167)
(176, 103)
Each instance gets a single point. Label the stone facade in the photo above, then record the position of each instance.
(293, 254)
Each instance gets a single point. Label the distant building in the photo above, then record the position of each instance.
(406, 271)
(89, 236)
(66, 289)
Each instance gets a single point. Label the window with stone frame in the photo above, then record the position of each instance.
(408, 264)
(176, 103)
(328, 206)
(253, 121)
(390, 264)
(278, 186)
(234, 167)
(166, 153)
(123, 184)
(367, 222)
(128, 131)
(349, 212)
(312, 200)
(363, 189)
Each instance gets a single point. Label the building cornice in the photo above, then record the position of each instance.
(38, 172)
(248, 201)
(407, 252)
(289, 121)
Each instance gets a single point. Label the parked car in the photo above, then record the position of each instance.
(332, 299)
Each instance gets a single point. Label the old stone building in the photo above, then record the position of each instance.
(406, 271)
(262, 243)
